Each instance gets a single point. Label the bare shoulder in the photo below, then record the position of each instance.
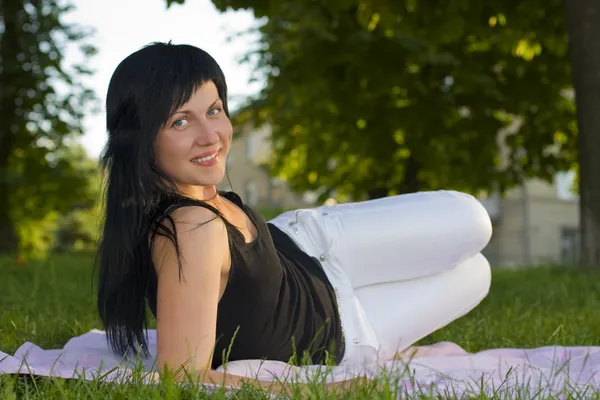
(201, 235)
(195, 217)
(195, 221)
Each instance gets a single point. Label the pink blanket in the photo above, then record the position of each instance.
(443, 368)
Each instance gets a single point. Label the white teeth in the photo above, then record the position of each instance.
(203, 159)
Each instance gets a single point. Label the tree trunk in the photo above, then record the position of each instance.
(583, 24)
(410, 184)
(9, 48)
(377, 193)
(8, 235)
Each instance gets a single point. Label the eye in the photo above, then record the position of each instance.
(214, 111)
(180, 123)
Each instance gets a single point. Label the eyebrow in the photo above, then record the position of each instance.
(191, 112)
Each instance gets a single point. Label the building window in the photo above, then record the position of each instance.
(569, 245)
(251, 193)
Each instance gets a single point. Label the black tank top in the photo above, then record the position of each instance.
(278, 303)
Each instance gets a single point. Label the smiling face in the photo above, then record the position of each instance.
(193, 145)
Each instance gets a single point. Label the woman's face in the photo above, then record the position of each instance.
(192, 147)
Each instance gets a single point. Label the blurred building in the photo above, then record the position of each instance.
(537, 223)
(247, 175)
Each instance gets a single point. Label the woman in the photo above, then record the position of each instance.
(341, 284)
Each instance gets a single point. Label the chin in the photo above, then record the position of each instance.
(212, 180)
(207, 177)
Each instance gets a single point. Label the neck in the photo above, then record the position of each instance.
(204, 193)
(209, 192)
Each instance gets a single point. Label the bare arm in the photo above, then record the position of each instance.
(187, 308)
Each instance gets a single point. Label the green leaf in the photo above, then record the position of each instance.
(381, 96)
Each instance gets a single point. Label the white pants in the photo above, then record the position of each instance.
(402, 266)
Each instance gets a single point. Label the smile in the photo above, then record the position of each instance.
(205, 159)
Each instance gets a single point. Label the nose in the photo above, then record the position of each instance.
(206, 135)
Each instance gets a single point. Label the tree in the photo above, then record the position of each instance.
(583, 21)
(54, 220)
(41, 108)
(375, 97)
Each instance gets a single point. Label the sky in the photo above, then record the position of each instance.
(123, 26)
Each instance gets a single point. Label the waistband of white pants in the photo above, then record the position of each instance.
(305, 227)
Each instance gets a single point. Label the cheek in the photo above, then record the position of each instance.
(226, 130)
(169, 150)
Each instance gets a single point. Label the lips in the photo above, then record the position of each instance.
(208, 159)
(205, 155)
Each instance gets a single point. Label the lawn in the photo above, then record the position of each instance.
(49, 302)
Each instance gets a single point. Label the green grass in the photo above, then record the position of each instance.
(49, 302)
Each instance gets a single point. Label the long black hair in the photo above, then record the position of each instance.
(145, 89)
